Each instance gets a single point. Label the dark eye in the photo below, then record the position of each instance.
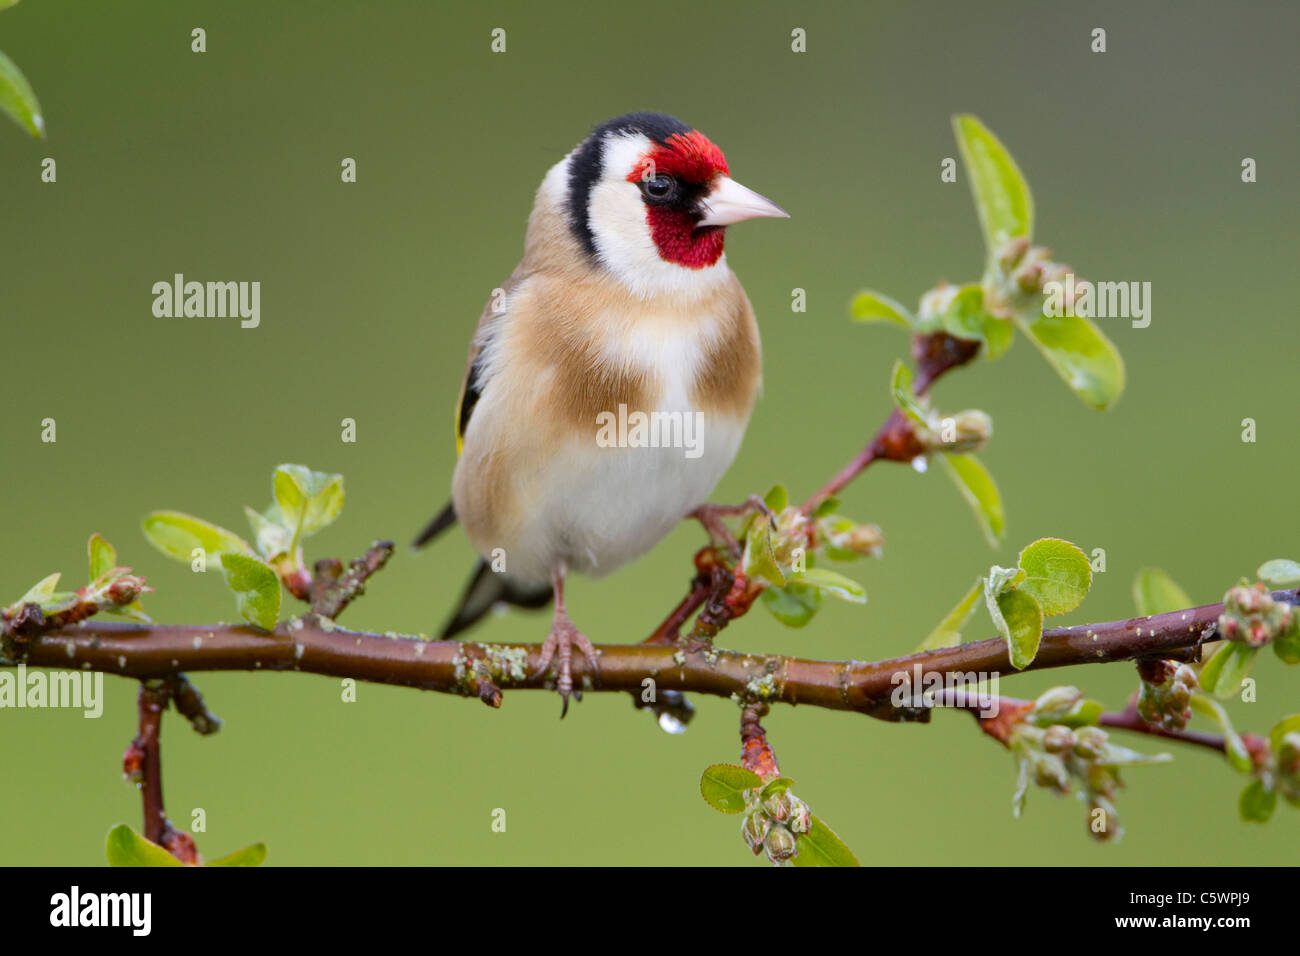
(659, 189)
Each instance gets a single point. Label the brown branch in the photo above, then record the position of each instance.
(332, 589)
(1128, 719)
(143, 764)
(319, 647)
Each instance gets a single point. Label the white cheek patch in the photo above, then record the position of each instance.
(617, 218)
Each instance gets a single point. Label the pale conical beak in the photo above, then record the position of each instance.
(730, 202)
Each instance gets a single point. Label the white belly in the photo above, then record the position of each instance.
(601, 507)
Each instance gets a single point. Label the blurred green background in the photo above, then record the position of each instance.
(226, 166)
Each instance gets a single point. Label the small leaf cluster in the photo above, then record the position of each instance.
(1277, 772)
(112, 588)
(1059, 747)
(1251, 618)
(304, 502)
(775, 821)
(781, 551)
(1052, 577)
(1010, 293)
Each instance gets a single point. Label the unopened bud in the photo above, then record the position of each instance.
(1089, 742)
(1029, 277)
(1049, 771)
(124, 590)
(1103, 821)
(962, 432)
(781, 845)
(935, 302)
(1057, 702)
(800, 816)
(1058, 739)
(1011, 252)
(1288, 753)
(754, 829)
(779, 806)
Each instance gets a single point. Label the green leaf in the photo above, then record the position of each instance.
(965, 315)
(1256, 803)
(1279, 573)
(998, 336)
(1019, 620)
(834, 584)
(177, 534)
(1287, 644)
(256, 588)
(1223, 673)
(977, 487)
(821, 846)
(836, 534)
(42, 592)
(1085, 712)
(18, 99)
(1058, 575)
(777, 498)
(1078, 351)
(272, 536)
(1283, 727)
(125, 847)
(1002, 198)
(1155, 592)
(723, 786)
(309, 500)
(759, 560)
(904, 398)
(134, 611)
(775, 787)
(1235, 750)
(103, 557)
(1114, 755)
(871, 306)
(827, 507)
(793, 605)
(253, 855)
(948, 631)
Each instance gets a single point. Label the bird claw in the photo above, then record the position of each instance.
(710, 516)
(559, 644)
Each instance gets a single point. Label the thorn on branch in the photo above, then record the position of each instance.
(488, 692)
(189, 704)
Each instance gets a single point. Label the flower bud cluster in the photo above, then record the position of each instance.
(772, 824)
(1167, 703)
(1250, 615)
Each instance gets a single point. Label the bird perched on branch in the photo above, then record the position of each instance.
(611, 377)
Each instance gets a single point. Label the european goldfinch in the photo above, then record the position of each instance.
(623, 306)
